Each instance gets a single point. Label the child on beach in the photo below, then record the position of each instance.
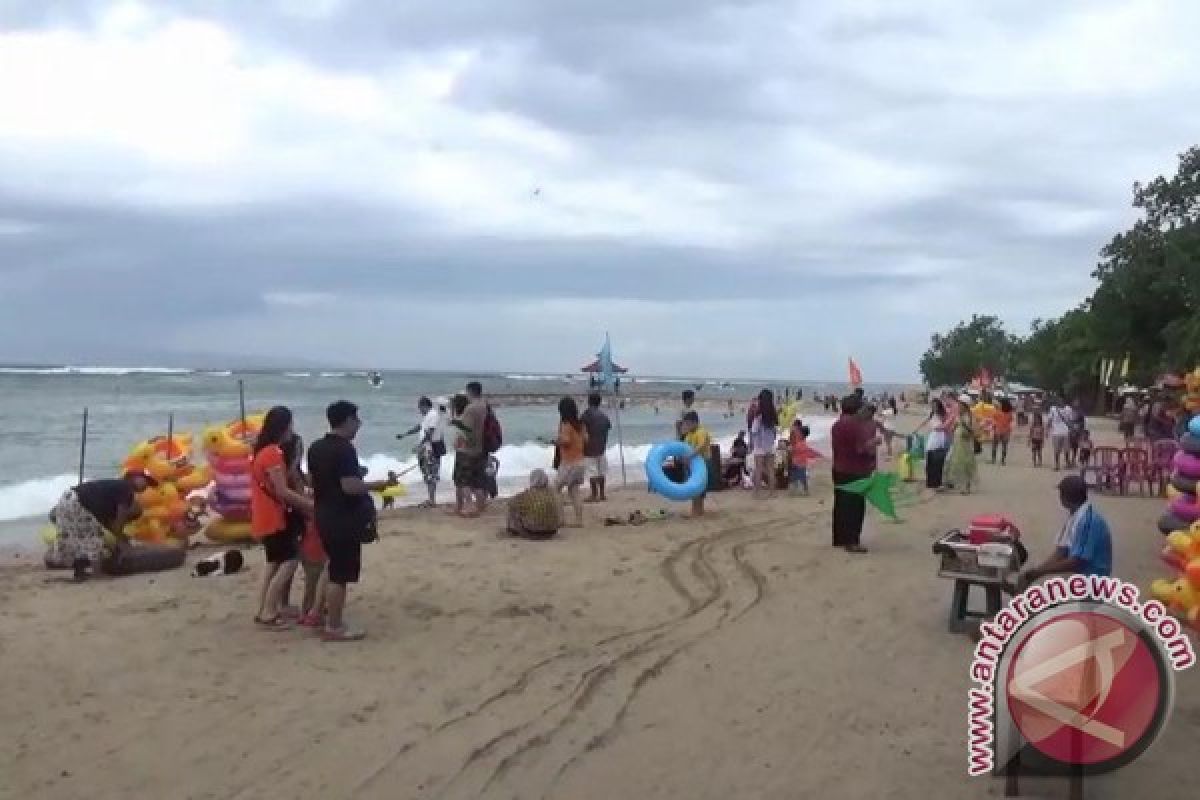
(312, 560)
(697, 438)
(1085, 447)
(801, 454)
(1037, 437)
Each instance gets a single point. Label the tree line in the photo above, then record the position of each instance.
(1145, 308)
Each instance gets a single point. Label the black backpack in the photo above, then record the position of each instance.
(493, 435)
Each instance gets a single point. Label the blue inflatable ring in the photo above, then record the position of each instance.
(1194, 425)
(658, 481)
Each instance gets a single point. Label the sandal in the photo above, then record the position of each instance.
(342, 634)
(311, 620)
(276, 623)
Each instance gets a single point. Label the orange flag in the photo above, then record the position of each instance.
(856, 379)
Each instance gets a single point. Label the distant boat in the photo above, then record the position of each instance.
(375, 380)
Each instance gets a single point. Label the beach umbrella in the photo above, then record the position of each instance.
(877, 489)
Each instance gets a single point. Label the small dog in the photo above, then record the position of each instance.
(226, 563)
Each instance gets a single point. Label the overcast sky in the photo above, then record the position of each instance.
(741, 189)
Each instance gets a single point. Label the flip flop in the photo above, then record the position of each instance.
(275, 624)
(342, 635)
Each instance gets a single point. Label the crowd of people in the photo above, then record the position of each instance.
(314, 521)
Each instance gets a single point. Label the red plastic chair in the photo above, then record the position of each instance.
(1161, 456)
(1107, 468)
(1137, 468)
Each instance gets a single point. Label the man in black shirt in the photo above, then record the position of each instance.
(597, 424)
(339, 498)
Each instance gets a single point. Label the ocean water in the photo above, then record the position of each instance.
(41, 413)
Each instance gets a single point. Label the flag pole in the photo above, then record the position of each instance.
(610, 379)
(620, 436)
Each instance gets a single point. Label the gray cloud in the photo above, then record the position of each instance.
(828, 179)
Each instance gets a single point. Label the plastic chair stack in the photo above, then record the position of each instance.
(1106, 470)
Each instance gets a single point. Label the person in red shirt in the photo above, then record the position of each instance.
(854, 442)
(801, 454)
(276, 511)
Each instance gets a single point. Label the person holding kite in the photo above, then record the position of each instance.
(855, 442)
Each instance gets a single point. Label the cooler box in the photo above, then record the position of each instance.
(987, 528)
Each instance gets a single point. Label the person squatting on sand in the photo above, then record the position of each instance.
(536, 512)
(85, 512)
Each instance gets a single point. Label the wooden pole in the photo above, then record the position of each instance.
(242, 401)
(620, 436)
(170, 433)
(83, 444)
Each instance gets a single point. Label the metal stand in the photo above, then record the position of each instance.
(960, 611)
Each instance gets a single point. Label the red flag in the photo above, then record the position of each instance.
(856, 378)
(985, 377)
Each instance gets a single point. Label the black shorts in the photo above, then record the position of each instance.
(470, 471)
(345, 555)
(281, 547)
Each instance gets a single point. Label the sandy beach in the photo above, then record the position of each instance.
(737, 656)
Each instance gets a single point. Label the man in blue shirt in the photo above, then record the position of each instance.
(1084, 547)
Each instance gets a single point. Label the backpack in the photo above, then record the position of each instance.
(493, 435)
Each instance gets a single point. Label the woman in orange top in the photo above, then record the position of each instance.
(1002, 425)
(572, 469)
(271, 499)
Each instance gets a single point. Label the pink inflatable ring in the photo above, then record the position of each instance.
(241, 466)
(1187, 465)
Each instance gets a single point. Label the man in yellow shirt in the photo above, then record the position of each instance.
(697, 438)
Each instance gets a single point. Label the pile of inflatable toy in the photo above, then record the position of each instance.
(1181, 524)
(229, 449)
(165, 511)
(1183, 509)
(1191, 391)
(985, 417)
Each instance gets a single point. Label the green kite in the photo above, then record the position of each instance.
(877, 489)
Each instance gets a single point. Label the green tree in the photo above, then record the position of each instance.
(1060, 355)
(956, 357)
(1147, 303)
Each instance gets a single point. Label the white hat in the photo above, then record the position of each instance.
(964, 397)
(441, 401)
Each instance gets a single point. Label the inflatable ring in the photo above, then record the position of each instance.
(392, 492)
(1187, 465)
(1194, 426)
(1182, 484)
(1169, 522)
(1190, 444)
(658, 481)
(229, 466)
(1185, 507)
(224, 530)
